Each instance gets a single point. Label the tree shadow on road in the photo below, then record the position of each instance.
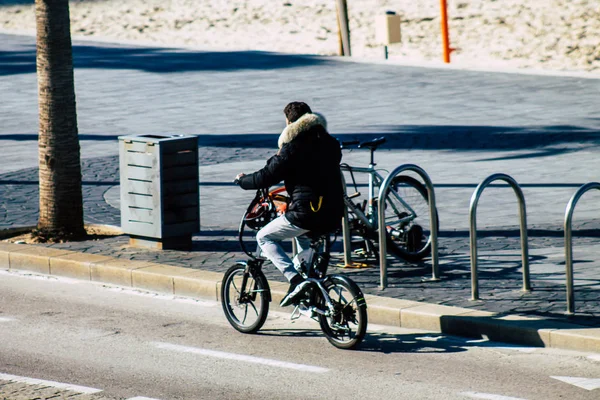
(528, 141)
(387, 343)
(159, 59)
(412, 343)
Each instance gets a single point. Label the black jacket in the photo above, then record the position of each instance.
(309, 164)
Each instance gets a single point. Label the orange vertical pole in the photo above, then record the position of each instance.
(445, 38)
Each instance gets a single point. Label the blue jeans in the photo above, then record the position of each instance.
(269, 241)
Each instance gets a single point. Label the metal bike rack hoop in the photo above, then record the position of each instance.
(473, 231)
(432, 215)
(569, 242)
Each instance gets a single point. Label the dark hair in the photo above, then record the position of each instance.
(295, 110)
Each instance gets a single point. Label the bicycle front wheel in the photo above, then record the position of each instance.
(244, 297)
(346, 327)
(408, 228)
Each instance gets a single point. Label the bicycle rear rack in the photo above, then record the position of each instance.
(569, 242)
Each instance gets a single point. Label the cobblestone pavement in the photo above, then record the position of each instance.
(460, 126)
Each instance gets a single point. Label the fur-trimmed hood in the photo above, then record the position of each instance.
(304, 123)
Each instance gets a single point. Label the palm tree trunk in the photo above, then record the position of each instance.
(61, 204)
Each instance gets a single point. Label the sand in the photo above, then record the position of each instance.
(555, 35)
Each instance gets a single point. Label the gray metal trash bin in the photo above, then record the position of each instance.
(160, 206)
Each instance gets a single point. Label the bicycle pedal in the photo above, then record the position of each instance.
(296, 313)
(300, 310)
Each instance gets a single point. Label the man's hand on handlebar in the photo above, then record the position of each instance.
(237, 178)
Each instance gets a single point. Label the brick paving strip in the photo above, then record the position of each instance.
(10, 390)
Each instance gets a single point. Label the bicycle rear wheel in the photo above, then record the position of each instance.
(245, 305)
(408, 233)
(346, 328)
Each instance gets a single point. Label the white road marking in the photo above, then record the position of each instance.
(584, 383)
(137, 292)
(431, 338)
(489, 396)
(488, 344)
(33, 275)
(6, 319)
(239, 357)
(114, 288)
(58, 385)
(515, 348)
(141, 398)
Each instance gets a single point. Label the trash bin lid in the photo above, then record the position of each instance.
(154, 138)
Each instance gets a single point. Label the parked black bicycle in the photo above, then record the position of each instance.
(334, 301)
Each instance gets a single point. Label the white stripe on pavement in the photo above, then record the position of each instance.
(143, 293)
(239, 357)
(522, 349)
(58, 385)
(489, 396)
(584, 383)
(6, 319)
(141, 398)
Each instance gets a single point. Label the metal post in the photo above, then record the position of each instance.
(445, 36)
(569, 242)
(432, 215)
(473, 231)
(344, 26)
(346, 230)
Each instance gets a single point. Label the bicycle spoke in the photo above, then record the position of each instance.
(245, 313)
(341, 297)
(255, 310)
(350, 303)
(235, 286)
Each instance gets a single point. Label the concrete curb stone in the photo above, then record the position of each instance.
(118, 272)
(75, 265)
(181, 281)
(33, 258)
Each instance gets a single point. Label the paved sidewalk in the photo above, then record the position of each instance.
(460, 126)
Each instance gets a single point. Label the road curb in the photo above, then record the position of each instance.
(187, 282)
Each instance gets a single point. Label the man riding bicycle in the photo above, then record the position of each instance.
(308, 162)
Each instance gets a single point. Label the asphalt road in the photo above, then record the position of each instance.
(128, 344)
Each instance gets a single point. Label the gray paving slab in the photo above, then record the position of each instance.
(460, 126)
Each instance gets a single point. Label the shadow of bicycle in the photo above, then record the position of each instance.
(388, 343)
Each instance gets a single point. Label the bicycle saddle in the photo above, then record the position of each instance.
(372, 144)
